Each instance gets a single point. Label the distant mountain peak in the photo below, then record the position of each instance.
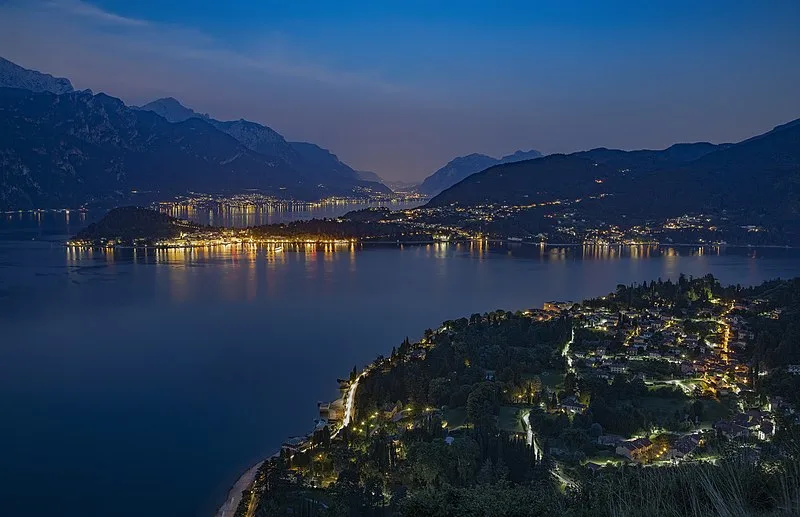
(462, 167)
(521, 155)
(171, 109)
(14, 76)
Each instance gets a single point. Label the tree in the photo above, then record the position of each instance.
(492, 472)
(486, 474)
(569, 383)
(428, 462)
(439, 391)
(536, 384)
(696, 411)
(466, 452)
(482, 405)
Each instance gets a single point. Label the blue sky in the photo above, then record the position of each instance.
(402, 87)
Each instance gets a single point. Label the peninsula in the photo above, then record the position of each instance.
(556, 410)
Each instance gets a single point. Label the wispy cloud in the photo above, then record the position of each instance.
(178, 42)
(85, 9)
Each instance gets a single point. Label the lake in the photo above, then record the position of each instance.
(137, 383)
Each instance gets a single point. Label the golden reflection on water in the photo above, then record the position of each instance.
(477, 248)
(440, 250)
(557, 254)
(263, 266)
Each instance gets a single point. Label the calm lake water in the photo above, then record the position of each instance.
(139, 383)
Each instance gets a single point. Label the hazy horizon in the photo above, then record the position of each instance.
(402, 89)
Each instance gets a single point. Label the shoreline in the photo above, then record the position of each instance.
(245, 481)
(68, 244)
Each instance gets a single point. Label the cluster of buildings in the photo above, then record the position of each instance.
(752, 423)
(563, 221)
(642, 450)
(696, 350)
(699, 347)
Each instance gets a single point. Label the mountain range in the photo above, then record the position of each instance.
(461, 167)
(66, 148)
(309, 159)
(756, 180)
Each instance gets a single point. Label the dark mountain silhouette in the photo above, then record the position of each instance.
(646, 160)
(308, 159)
(522, 183)
(77, 148)
(65, 148)
(759, 177)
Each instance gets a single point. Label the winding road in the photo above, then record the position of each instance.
(349, 403)
(530, 436)
(565, 350)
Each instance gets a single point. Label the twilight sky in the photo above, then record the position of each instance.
(401, 87)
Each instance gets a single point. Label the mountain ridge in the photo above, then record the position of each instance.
(76, 148)
(104, 150)
(14, 76)
(757, 178)
(306, 157)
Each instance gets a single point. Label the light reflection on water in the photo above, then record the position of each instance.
(323, 262)
(478, 249)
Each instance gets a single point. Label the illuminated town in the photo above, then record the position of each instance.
(249, 219)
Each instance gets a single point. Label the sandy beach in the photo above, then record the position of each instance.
(235, 494)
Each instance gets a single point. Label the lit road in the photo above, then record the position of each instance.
(565, 351)
(251, 505)
(563, 479)
(349, 403)
(530, 437)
